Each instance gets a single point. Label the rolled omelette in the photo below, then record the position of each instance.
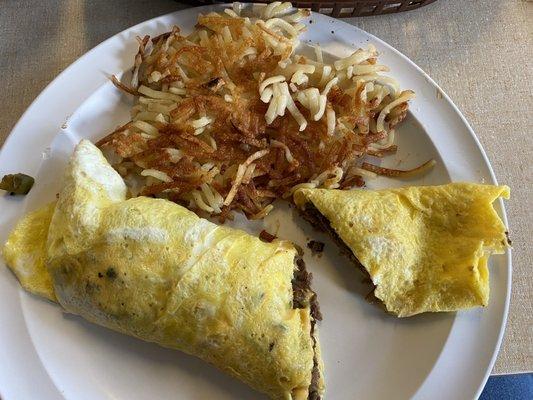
(425, 248)
(152, 269)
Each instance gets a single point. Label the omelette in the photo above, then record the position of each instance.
(424, 248)
(152, 269)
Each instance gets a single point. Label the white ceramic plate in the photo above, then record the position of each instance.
(368, 355)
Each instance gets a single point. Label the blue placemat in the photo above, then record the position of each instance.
(509, 387)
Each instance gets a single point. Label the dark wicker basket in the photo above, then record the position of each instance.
(348, 8)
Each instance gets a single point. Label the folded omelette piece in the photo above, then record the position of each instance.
(424, 248)
(154, 270)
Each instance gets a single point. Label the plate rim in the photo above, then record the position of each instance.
(62, 79)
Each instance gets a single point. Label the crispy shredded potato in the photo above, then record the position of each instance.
(229, 117)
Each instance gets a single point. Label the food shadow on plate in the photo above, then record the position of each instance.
(192, 367)
(415, 147)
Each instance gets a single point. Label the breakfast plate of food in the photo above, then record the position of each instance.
(248, 202)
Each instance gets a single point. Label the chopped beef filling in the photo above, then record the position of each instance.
(315, 372)
(321, 223)
(315, 246)
(266, 236)
(304, 296)
(302, 280)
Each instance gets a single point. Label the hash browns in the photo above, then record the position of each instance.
(229, 117)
